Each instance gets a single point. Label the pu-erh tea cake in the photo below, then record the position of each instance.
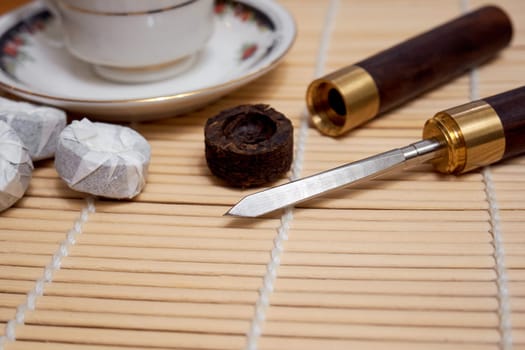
(249, 145)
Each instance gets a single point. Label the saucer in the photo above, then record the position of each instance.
(251, 37)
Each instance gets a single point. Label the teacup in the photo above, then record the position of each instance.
(135, 40)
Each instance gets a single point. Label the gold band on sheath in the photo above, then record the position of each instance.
(472, 133)
(342, 100)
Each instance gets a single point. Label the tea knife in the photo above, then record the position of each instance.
(455, 141)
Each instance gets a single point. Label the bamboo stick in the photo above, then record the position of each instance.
(31, 236)
(398, 215)
(29, 225)
(389, 273)
(136, 322)
(171, 280)
(384, 333)
(174, 236)
(440, 318)
(146, 293)
(198, 268)
(20, 273)
(5, 315)
(372, 301)
(251, 250)
(253, 226)
(332, 246)
(41, 214)
(146, 307)
(293, 343)
(129, 338)
(50, 203)
(24, 345)
(393, 204)
(10, 300)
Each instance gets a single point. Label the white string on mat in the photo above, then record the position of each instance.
(47, 275)
(263, 300)
(504, 310)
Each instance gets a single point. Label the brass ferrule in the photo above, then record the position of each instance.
(342, 100)
(472, 135)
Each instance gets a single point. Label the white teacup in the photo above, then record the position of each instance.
(135, 40)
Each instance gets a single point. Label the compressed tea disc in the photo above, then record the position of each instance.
(102, 159)
(15, 167)
(249, 145)
(38, 127)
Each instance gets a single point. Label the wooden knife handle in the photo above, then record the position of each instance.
(510, 107)
(436, 56)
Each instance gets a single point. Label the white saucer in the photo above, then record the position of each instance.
(251, 37)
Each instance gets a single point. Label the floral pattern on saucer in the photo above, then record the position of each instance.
(245, 14)
(12, 43)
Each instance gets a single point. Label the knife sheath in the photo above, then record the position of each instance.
(357, 93)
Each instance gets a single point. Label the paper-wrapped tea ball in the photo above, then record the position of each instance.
(37, 126)
(15, 167)
(102, 159)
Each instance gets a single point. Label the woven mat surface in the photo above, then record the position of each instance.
(414, 260)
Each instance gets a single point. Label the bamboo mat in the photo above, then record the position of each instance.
(410, 261)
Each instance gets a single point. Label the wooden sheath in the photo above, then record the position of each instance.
(510, 107)
(436, 56)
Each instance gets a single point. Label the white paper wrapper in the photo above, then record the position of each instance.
(15, 167)
(102, 159)
(37, 126)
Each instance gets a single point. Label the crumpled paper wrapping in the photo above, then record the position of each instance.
(37, 126)
(16, 167)
(102, 159)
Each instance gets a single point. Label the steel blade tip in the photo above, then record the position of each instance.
(252, 206)
(234, 211)
(241, 209)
